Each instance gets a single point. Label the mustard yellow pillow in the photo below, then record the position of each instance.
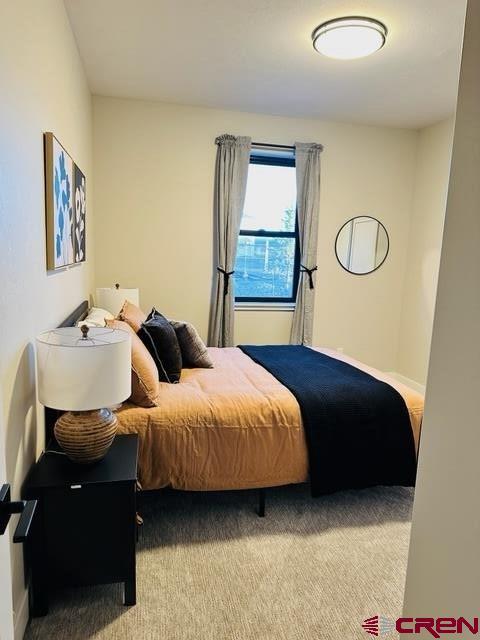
(132, 315)
(145, 385)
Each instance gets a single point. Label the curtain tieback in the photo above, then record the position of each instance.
(226, 279)
(304, 269)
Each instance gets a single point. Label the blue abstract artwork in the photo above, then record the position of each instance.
(63, 206)
(59, 187)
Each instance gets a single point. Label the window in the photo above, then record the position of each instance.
(267, 264)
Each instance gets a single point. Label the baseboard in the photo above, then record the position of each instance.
(21, 617)
(416, 386)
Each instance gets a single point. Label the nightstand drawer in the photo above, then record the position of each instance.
(90, 532)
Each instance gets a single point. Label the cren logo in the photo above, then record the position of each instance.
(378, 625)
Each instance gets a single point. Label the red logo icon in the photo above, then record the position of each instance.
(378, 625)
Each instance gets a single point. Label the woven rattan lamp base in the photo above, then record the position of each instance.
(86, 436)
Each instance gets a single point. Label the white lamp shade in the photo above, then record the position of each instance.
(112, 299)
(77, 374)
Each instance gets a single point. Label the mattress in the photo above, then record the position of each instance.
(231, 427)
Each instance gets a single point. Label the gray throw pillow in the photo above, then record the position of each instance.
(194, 351)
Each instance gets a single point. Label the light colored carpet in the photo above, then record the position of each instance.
(210, 569)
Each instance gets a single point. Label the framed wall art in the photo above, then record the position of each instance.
(80, 204)
(65, 193)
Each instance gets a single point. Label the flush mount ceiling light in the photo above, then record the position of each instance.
(350, 37)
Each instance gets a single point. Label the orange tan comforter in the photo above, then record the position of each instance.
(231, 427)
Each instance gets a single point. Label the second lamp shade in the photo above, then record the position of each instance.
(112, 298)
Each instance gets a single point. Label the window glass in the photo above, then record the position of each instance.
(270, 201)
(266, 268)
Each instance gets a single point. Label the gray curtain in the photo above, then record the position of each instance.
(231, 171)
(307, 162)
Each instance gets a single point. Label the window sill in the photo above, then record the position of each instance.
(265, 306)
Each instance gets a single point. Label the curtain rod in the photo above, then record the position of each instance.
(273, 146)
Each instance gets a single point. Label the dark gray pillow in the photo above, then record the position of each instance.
(194, 351)
(161, 341)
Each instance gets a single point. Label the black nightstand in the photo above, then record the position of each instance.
(85, 529)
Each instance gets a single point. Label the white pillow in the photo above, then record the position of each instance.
(96, 318)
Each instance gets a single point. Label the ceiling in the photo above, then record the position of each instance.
(256, 55)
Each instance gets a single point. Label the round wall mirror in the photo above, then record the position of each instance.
(362, 245)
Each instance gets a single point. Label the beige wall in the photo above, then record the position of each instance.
(43, 89)
(443, 576)
(154, 167)
(424, 247)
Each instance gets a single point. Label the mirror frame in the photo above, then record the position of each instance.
(366, 273)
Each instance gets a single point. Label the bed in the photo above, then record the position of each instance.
(231, 427)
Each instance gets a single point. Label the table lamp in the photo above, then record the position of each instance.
(112, 298)
(84, 371)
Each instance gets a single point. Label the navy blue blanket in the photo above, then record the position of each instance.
(357, 428)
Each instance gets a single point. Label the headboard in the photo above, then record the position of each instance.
(51, 415)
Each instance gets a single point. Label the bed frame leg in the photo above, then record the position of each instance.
(261, 503)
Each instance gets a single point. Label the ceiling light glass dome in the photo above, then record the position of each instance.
(349, 38)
